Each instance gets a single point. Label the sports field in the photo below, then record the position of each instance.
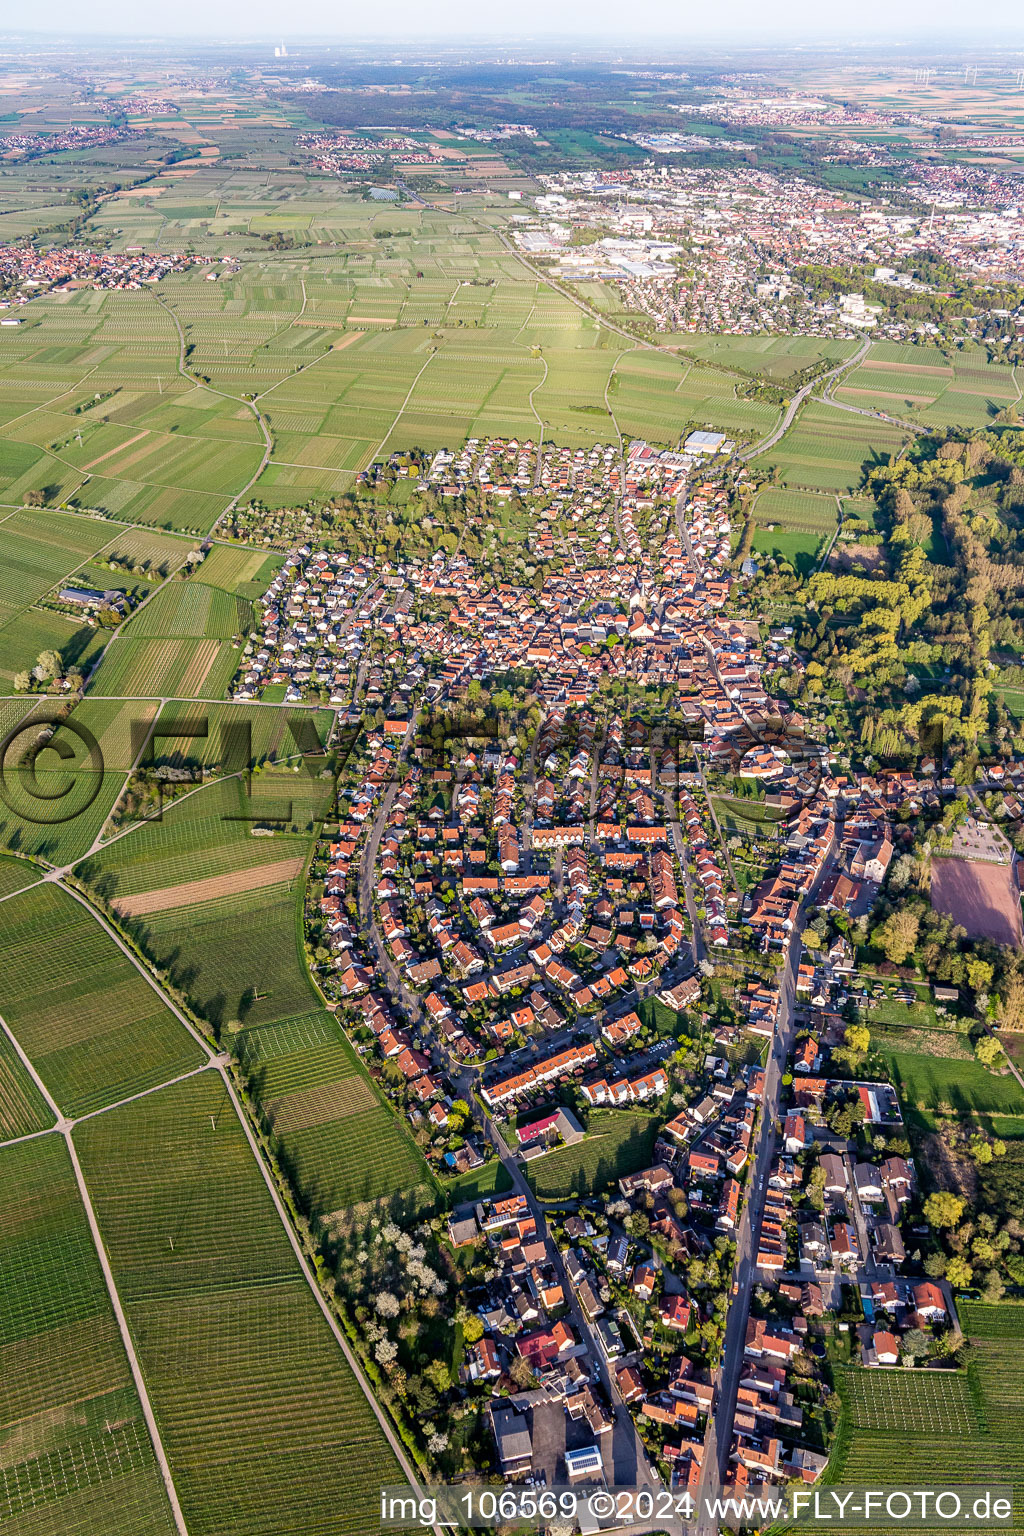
(802, 550)
(983, 897)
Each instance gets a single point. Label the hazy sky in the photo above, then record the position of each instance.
(578, 20)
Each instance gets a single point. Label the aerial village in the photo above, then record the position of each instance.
(26, 272)
(728, 249)
(529, 923)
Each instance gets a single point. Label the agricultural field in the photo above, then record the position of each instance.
(183, 643)
(15, 875)
(23, 1109)
(219, 908)
(617, 1142)
(923, 384)
(208, 833)
(159, 554)
(221, 1326)
(93, 1027)
(341, 1142)
(233, 961)
(41, 549)
(106, 422)
(933, 1402)
(75, 1453)
(829, 450)
(234, 568)
(908, 1429)
(62, 783)
(35, 630)
(778, 358)
(236, 737)
(799, 510)
(425, 337)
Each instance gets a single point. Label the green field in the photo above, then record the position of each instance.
(618, 1141)
(429, 337)
(799, 510)
(25, 635)
(43, 550)
(922, 383)
(58, 796)
(23, 1109)
(928, 1082)
(16, 874)
(177, 645)
(240, 963)
(828, 450)
(207, 834)
(340, 1140)
(801, 550)
(778, 358)
(75, 1453)
(239, 735)
(1013, 698)
(93, 1027)
(266, 1429)
(235, 569)
(935, 1402)
(479, 1184)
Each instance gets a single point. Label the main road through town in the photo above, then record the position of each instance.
(718, 1440)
